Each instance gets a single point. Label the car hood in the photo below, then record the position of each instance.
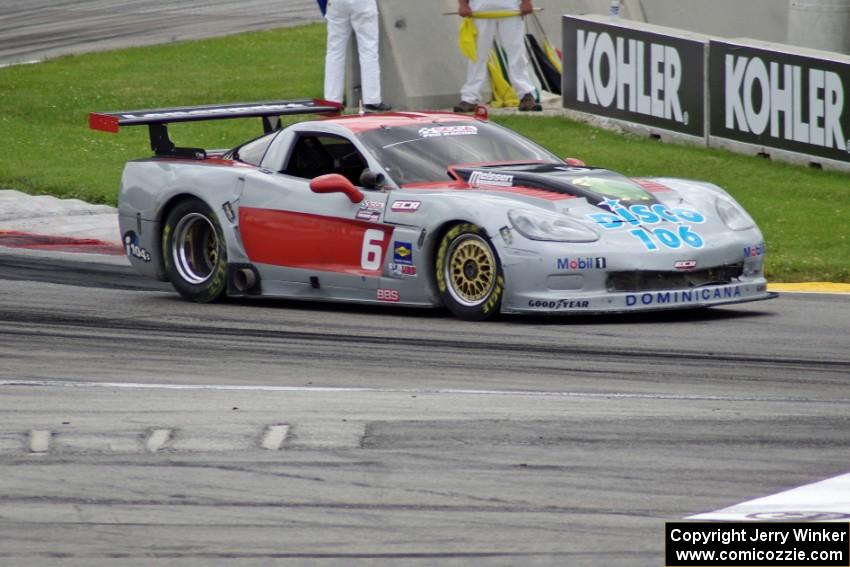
(556, 182)
(607, 201)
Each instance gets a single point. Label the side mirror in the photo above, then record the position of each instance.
(336, 183)
(574, 162)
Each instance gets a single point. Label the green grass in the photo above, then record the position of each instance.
(47, 147)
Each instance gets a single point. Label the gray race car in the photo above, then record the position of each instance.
(423, 209)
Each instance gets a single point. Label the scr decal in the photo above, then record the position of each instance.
(642, 217)
(370, 211)
(405, 206)
(373, 205)
(131, 245)
(440, 131)
(479, 178)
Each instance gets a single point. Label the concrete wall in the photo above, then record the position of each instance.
(766, 20)
(422, 66)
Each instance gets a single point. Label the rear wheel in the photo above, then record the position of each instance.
(469, 273)
(194, 252)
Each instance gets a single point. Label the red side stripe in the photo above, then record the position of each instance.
(314, 242)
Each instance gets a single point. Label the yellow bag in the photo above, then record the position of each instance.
(467, 39)
(504, 94)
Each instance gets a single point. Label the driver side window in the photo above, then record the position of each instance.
(319, 154)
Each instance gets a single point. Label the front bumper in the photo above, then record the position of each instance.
(553, 278)
(607, 302)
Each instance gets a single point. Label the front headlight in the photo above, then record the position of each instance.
(540, 225)
(733, 215)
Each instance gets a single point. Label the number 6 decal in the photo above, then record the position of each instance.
(371, 257)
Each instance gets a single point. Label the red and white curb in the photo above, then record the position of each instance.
(63, 225)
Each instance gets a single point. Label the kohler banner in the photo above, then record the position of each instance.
(618, 69)
(779, 99)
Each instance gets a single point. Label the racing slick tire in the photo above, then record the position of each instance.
(469, 273)
(194, 252)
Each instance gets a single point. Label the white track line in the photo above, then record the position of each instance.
(417, 391)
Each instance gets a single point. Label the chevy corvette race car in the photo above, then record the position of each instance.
(423, 209)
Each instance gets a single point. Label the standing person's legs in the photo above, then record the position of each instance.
(476, 71)
(512, 38)
(365, 23)
(339, 32)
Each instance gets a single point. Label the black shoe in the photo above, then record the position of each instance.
(464, 106)
(528, 103)
(380, 107)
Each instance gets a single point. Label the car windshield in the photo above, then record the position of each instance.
(423, 153)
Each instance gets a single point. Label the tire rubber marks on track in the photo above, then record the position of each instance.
(827, 500)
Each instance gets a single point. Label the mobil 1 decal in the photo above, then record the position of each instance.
(634, 75)
(779, 99)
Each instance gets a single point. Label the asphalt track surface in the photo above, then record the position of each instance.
(32, 30)
(253, 432)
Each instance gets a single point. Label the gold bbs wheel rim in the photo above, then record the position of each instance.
(470, 270)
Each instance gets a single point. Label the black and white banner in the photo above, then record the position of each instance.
(780, 99)
(635, 75)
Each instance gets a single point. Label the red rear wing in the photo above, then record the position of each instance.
(157, 119)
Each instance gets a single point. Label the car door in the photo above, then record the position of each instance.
(306, 243)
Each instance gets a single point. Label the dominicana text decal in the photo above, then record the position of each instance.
(694, 296)
(640, 218)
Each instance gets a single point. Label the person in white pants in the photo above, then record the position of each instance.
(361, 17)
(511, 34)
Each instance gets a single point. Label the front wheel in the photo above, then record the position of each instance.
(469, 274)
(194, 252)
